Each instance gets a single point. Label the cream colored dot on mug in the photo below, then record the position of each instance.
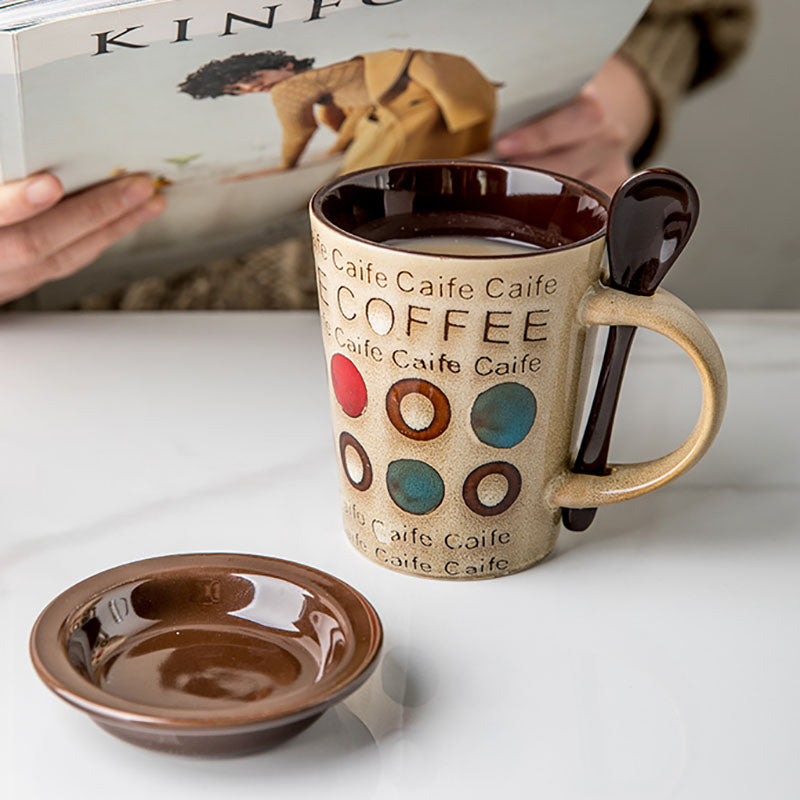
(417, 411)
(353, 464)
(380, 316)
(492, 489)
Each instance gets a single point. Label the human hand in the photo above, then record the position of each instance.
(44, 237)
(594, 136)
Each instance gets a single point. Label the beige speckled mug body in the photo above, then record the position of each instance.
(455, 383)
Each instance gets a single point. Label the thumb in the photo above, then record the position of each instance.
(21, 200)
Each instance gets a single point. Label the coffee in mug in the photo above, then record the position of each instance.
(455, 245)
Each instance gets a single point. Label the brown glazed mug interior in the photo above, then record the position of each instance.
(206, 654)
(430, 198)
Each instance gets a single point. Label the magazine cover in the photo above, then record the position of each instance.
(240, 109)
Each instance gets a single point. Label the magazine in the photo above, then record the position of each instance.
(240, 109)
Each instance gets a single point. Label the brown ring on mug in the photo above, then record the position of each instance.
(441, 408)
(470, 490)
(346, 439)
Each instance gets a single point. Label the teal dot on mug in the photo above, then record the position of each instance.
(415, 486)
(503, 415)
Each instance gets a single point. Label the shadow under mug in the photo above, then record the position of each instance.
(457, 381)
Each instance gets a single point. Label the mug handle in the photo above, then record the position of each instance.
(663, 313)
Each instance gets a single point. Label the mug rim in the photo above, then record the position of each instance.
(315, 206)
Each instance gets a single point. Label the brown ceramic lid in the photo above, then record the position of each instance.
(212, 653)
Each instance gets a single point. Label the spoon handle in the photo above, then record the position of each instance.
(593, 451)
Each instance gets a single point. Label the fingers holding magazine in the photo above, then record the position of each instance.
(594, 136)
(44, 236)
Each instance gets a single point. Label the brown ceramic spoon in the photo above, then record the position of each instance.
(652, 217)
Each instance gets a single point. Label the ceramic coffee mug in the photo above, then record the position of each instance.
(456, 379)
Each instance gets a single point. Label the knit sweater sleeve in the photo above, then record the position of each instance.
(680, 44)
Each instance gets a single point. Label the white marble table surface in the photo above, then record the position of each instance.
(656, 656)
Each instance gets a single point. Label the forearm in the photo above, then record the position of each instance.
(294, 106)
(293, 146)
(679, 44)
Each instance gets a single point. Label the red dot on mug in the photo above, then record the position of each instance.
(348, 385)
